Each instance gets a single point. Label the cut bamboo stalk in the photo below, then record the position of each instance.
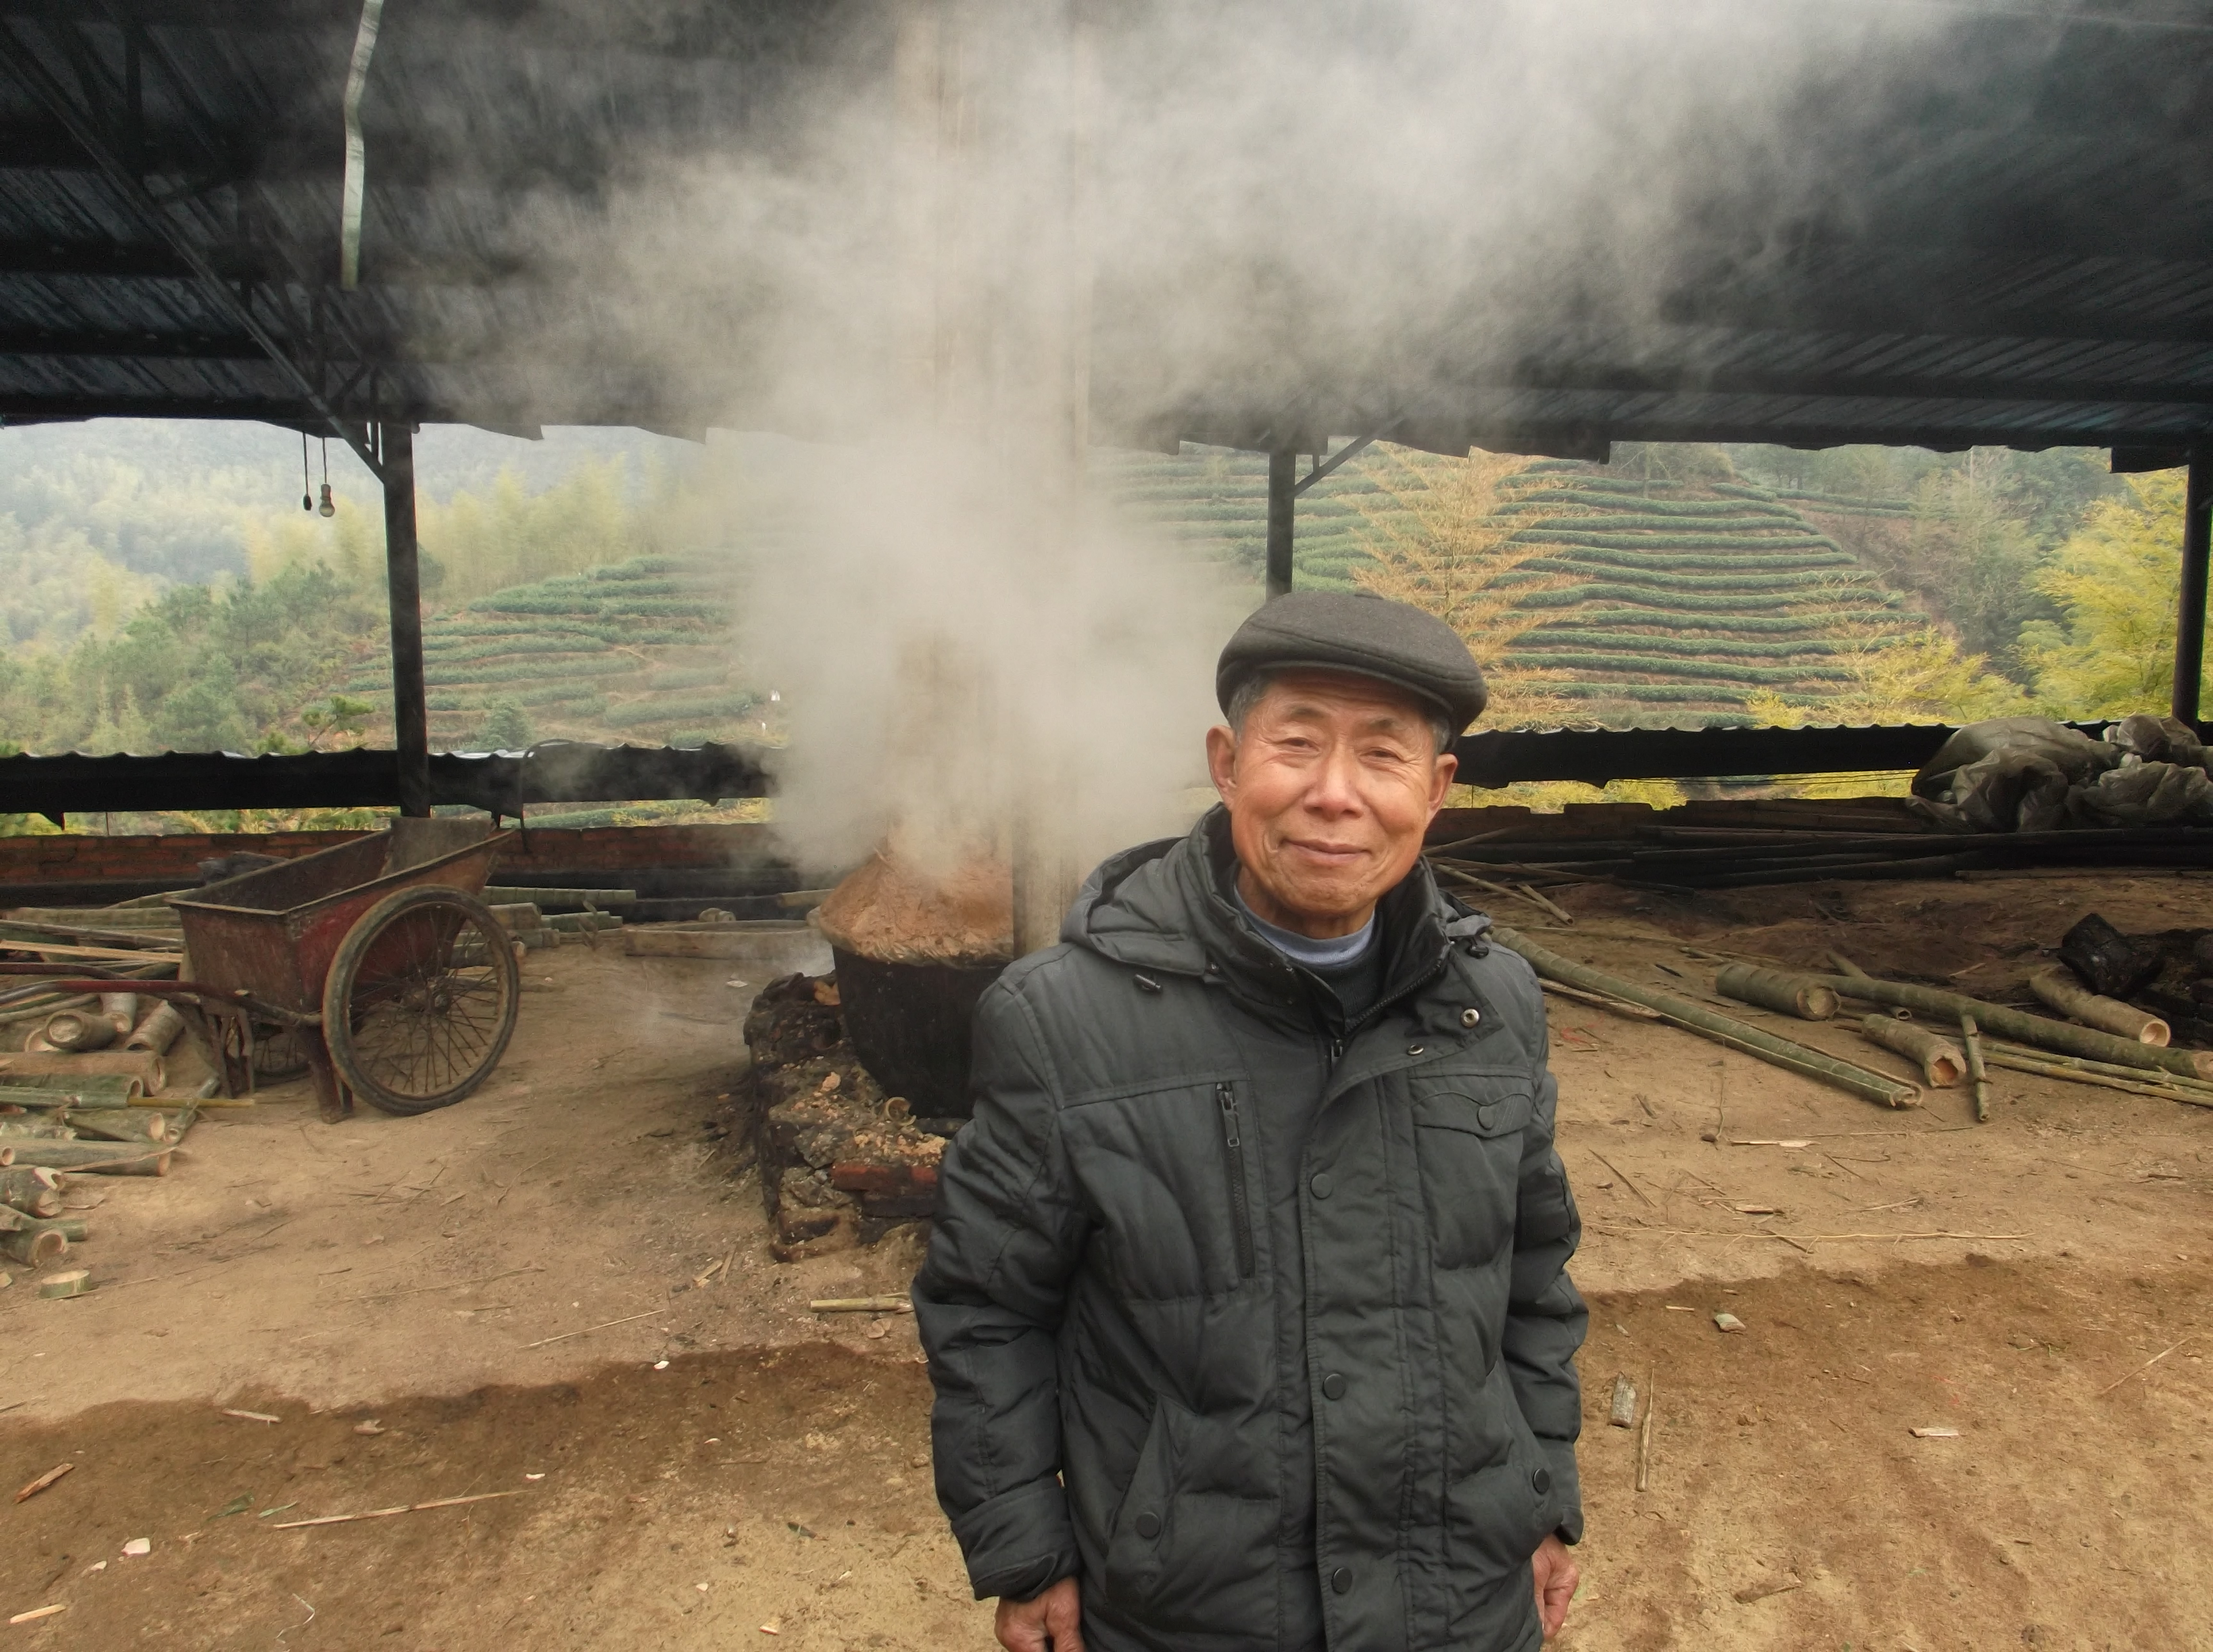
(1511, 893)
(1942, 1062)
(2039, 1030)
(1771, 991)
(92, 1158)
(31, 1191)
(79, 1031)
(1722, 1029)
(121, 1009)
(1970, 1037)
(2063, 992)
(141, 1124)
(36, 1127)
(89, 1090)
(77, 1282)
(161, 1028)
(34, 1248)
(72, 1229)
(142, 1064)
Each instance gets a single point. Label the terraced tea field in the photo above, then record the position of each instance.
(637, 653)
(1668, 603)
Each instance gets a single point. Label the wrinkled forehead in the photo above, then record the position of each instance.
(1334, 695)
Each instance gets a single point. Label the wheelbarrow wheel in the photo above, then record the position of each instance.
(420, 999)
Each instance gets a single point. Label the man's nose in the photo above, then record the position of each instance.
(1335, 790)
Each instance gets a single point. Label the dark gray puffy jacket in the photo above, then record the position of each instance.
(1248, 1406)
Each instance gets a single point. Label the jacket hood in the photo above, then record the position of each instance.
(1167, 906)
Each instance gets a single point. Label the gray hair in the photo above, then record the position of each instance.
(1250, 692)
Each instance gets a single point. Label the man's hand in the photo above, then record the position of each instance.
(1555, 1572)
(1054, 1619)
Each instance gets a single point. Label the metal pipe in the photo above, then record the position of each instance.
(356, 161)
(410, 716)
(1283, 502)
(2190, 605)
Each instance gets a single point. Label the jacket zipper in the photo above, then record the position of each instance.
(1240, 1210)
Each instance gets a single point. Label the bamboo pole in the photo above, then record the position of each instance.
(1971, 1039)
(2061, 991)
(2038, 1030)
(1696, 1018)
(2089, 1072)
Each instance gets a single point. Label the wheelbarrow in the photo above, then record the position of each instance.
(375, 965)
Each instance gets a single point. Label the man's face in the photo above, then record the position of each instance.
(1330, 786)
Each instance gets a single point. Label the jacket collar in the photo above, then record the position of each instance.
(1166, 906)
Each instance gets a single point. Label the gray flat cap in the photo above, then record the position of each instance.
(1370, 636)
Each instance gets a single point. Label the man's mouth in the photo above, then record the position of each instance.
(1327, 854)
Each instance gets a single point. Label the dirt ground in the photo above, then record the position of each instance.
(479, 1301)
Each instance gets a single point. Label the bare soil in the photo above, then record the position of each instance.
(2042, 1284)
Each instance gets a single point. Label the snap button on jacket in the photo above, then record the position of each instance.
(1257, 1323)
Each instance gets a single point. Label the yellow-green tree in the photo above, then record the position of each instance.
(2116, 582)
(1434, 538)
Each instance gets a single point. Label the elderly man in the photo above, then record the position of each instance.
(1247, 1306)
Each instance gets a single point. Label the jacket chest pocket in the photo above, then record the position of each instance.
(1172, 1178)
(1467, 1134)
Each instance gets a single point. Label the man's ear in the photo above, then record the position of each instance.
(1440, 779)
(1221, 761)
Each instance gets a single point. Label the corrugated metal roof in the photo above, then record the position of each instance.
(2022, 254)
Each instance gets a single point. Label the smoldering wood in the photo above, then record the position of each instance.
(2107, 961)
(2060, 991)
(1942, 1062)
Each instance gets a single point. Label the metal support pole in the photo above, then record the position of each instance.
(1282, 502)
(411, 718)
(2190, 608)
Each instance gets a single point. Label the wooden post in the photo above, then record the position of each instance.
(411, 719)
(1283, 502)
(2190, 608)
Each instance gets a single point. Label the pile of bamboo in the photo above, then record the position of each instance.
(55, 1127)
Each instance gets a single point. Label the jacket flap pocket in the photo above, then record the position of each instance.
(1477, 1107)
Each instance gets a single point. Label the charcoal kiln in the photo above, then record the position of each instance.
(914, 951)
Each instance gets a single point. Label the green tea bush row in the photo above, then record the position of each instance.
(1571, 636)
(678, 710)
(1666, 585)
(1824, 620)
(1696, 670)
(687, 677)
(1600, 560)
(1665, 599)
(1602, 540)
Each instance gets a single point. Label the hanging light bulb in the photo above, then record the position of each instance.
(327, 508)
